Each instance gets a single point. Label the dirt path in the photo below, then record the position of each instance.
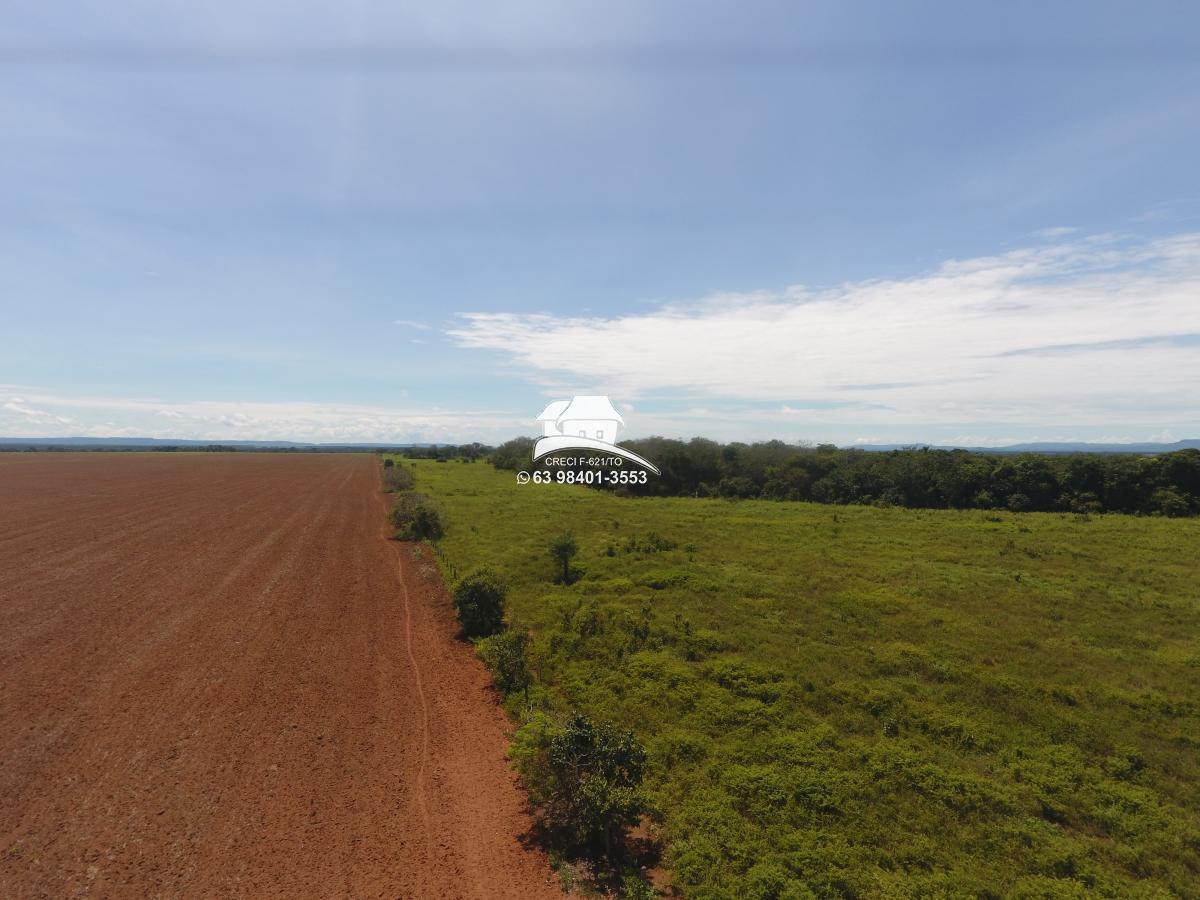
(218, 678)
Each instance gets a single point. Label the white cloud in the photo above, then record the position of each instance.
(232, 420)
(1094, 330)
(410, 323)
(27, 414)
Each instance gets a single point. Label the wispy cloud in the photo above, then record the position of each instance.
(1138, 343)
(1064, 333)
(16, 407)
(411, 323)
(1055, 232)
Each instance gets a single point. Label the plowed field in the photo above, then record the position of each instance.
(218, 677)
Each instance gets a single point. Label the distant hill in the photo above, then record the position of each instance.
(1051, 447)
(127, 443)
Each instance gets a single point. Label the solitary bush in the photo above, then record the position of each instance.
(584, 777)
(652, 543)
(389, 463)
(563, 548)
(479, 603)
(507, 655)
(416, 518)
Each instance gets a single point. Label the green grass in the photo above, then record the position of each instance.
(853, 701)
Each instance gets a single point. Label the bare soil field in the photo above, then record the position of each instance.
(218, 677)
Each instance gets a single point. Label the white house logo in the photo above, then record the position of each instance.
(583, 423)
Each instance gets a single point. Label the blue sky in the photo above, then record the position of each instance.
(822, 221)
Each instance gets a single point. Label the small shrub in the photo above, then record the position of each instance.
(416, 518)
(507, 655)
(398, 478)
(402, 513)
(651, 543)
(660, 581)
(426, 524)
(634, 886)
(656, 543)
(479, 603)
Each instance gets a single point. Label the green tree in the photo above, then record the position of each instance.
(1017, 502)
(563, 548)
(513, 454)
(1182, 471)
(1168, 502)
(584, 777)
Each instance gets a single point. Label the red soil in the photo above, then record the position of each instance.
(217, 677)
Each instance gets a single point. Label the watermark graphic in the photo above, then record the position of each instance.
(585, 423)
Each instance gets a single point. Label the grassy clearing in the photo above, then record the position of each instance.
(853, 701)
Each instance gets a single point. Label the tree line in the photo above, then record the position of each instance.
(919, 477)
(584, 777)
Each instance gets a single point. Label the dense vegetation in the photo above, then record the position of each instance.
(865, 702)
(1167, 484)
